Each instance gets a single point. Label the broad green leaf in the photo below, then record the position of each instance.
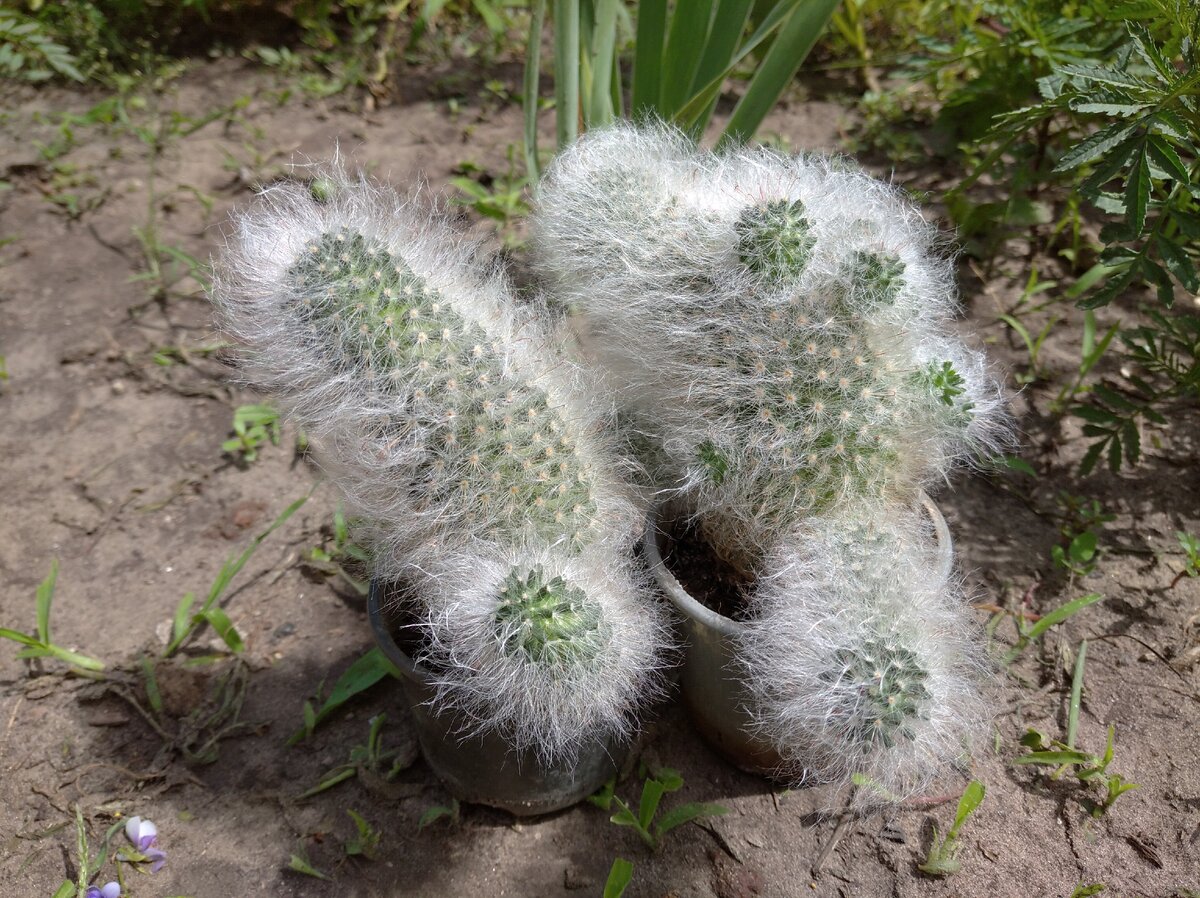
(972, 797)
(686, 813)
(619, 877)
(686, 38)
(648, 58)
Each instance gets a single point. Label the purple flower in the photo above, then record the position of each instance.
(144, 836)
(108, 890)
(142, 833)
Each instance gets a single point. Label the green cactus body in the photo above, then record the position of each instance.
(775, 239)
(549, 622)
(830, 407)
(496, 451)
(889, 685)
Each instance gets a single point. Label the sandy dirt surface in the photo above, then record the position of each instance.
(111, 424)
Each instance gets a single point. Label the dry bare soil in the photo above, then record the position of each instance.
(111, 426)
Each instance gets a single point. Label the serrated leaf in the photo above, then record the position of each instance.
(1165, 156)
(1095, 146)
(1137, 193)
(1178, 263)
(1098, 75)
(1122, 110)
(1110, 291)
(1090, 458)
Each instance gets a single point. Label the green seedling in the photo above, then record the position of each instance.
(331, 561)
(619, 877)
(1029, 633)
(365, 841)
(253, 426)
(943, 853)
(41, 646)
(1082, 519)
(1191, 551)
(1063, 756)
(501, 198)
(301, 864)
(364, 673)
(1086, 891)
(655, 787)
(448, 812)
(371, 758)
(1078, 558)
(186, 623)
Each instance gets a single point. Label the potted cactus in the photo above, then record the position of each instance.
(498, 515)
(777, 331)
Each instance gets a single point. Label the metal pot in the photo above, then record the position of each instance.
(713, 691)
(481, 769)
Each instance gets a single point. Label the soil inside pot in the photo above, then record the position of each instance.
(707, 577)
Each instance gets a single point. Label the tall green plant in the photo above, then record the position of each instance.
(682, 55)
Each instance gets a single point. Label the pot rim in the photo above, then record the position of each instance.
(382, 630)
(727, 626)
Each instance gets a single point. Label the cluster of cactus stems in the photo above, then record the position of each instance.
(463, 438)
(778, 329)
(774, 332)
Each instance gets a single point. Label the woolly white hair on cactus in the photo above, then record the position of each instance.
(779, 325)
(549, 649)
(434, 401)
(860, 657)
(471, 448)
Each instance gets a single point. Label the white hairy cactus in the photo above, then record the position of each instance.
(468, 445)
(550, 649)
(440, 409)
(860, 656)
(779, 325)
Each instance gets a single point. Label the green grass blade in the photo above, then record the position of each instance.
(533, 72)
(796, 38)
(359, 676)
(701, 99)
(1076, 695)
(686, 38)
(233, 567)
(220, 622)
(566, 70)
(729, 22)
(45, 595)
(648, 58)
(23, 638)
(604, 39)
(1057, 616)
(86, 662)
